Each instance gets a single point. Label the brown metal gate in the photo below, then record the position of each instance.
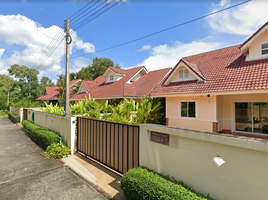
(25, 114)
(113, 144)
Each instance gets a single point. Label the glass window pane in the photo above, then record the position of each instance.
(263, 118)
(181, 74)
(243, 117)
(191, 110)
(264, 46)
(183, 109)
(263, 52)
(186, 74)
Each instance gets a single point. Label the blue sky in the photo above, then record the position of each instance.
(27, 27)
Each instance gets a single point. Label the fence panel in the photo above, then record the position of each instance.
(113, 144)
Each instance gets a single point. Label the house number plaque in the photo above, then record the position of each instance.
(161, 138)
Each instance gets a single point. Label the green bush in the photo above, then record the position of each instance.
(41, 135)
(3, 112)
(13, 117)
(56, 151)
(142, 183)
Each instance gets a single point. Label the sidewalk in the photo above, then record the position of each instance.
(25, 174)
(97, 174)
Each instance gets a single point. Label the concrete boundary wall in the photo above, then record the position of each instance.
(17, 111)
(188, 157)
(64, 125)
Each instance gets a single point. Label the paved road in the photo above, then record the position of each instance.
(25, 174)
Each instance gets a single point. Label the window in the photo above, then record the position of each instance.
(187, 109)
(251, 117)
(264, 49)
(111, 77)
(183, 74)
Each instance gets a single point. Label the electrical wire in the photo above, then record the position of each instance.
(184, 23)
(58, 38)
(84, 22)
(80, 10)
(52, 43)
(89, 11)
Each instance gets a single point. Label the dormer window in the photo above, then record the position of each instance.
(111, 77)
(183, 74)
(264, 49)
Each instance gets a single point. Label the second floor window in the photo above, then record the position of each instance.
(111, 77)
(183, 74)
(264, 49)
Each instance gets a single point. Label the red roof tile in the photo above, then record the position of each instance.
(50, 93)
(224, 70)
(120, 88)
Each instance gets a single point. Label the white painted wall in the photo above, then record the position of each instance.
(189, 158)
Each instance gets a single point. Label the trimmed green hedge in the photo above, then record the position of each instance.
(41, 135)
(13, 117)
(142, 183)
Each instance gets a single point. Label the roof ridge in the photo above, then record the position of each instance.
(211, 51)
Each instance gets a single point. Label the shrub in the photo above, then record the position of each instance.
(13, 117)
(3, 112)
(57, 151)
(41, 135)
(142, 183)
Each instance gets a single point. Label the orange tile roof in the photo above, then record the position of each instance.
(122, 88)
(224, 70)
(52, 94)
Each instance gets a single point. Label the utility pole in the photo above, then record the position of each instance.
(67, 75)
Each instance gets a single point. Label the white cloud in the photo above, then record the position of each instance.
(242, 20)
(33, 39)
(164, 56)
(224, 2)
(144, 48)
(78, 63)
(88, 47)
(1, 52)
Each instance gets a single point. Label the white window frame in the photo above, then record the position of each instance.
(184, 74)
(196, 109)
(111, 77)
(264, 49)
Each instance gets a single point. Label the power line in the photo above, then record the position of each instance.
(84, 22)
(48, 48)
(56, 41)
(87, 12)
(184, 23)
(80, 10)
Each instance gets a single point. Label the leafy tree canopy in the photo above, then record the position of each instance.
(46, 81)
(97, 68)
(5, 80)
(23, 73)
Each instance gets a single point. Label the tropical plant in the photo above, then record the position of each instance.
(56, 109)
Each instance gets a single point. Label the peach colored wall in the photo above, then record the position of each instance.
(224, 105)
(189, 158)
(191, 124)
(255, 46)
(205, 107)
(175, 76)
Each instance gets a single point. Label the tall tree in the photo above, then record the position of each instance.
(97, 68)
(24, 74)
(45, 80)
(5, 81)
